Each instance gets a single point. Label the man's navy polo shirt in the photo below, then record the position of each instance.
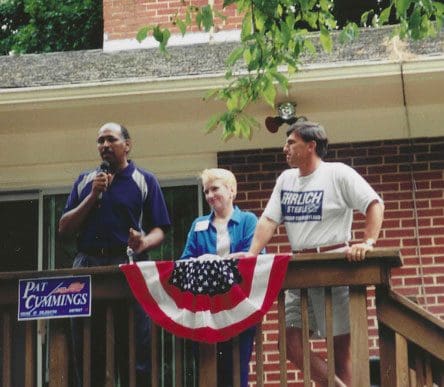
(133, 199)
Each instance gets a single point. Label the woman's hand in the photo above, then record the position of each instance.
(241, 254)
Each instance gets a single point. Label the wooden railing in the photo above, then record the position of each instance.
(411, 341)
(329, 270)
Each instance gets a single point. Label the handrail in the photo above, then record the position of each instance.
(412, 339)
(304, 271)
(327, 269)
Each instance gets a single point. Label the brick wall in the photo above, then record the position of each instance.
(409, 176)
(122, 19)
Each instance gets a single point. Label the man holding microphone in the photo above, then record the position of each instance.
(112, 208)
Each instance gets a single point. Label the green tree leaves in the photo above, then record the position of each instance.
(161, 35)
(274, 35)
(32, 26)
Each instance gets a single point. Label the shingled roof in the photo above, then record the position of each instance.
(97, 66)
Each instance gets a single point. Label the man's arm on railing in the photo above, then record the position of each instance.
(373, 223)
(264, 232)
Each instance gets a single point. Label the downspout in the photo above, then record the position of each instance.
(402, 54)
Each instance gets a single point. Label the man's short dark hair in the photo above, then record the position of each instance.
(117, 127)
(311, 131)
(125, 132)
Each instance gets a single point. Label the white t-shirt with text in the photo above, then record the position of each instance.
(317, 209)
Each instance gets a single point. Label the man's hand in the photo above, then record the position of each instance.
(140, 242)
(72, 220)
(100, 183)
(136, 241)
(358, 251)
(373, 222)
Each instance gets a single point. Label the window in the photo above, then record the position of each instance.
(18, 230)
(19, 251)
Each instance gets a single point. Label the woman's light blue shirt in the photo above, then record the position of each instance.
(202, 236)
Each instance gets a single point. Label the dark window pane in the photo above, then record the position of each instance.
(18, 246)
(183, 209)
(351, 10)
(19, 236)
(58, 252)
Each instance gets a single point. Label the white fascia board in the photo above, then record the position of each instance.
(175, 40)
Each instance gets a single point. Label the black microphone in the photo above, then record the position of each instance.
(105, 167)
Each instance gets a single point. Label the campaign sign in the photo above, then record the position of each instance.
(56, 297)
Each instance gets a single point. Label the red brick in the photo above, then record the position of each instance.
(437, 202)
(248, 187)
(267, 185)
(395, 177)
(249, 204)
(240, 196)
(434, 289)
(412, 281)
(351, 152)
(419, 185)
(259, 195)
(388, 243)
(392, 223)
(280, 239)
(271, 337)
(284, 249)
(398, 214)
(396, 282)
(417, 204)
(412, 222)
(436, 175)
(437, 184)
(432, 250)
(391, 206)
(431, 213)
(383, 150)
(406, 271)
(401, 233)
(413, 242)
(429, 194)
(433, 270)
(410, 261)
(432, 230)
(386, 187)
(272, 249)
(383, 169)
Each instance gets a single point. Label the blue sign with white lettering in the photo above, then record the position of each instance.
(304, 206)
(55, 297)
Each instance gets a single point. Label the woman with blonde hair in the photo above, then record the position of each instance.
(226, 230)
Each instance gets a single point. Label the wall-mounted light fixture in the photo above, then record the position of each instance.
(287, 114)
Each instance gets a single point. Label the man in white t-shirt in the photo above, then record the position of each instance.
(315, 200)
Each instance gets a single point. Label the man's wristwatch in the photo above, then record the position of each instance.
(370, 242)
